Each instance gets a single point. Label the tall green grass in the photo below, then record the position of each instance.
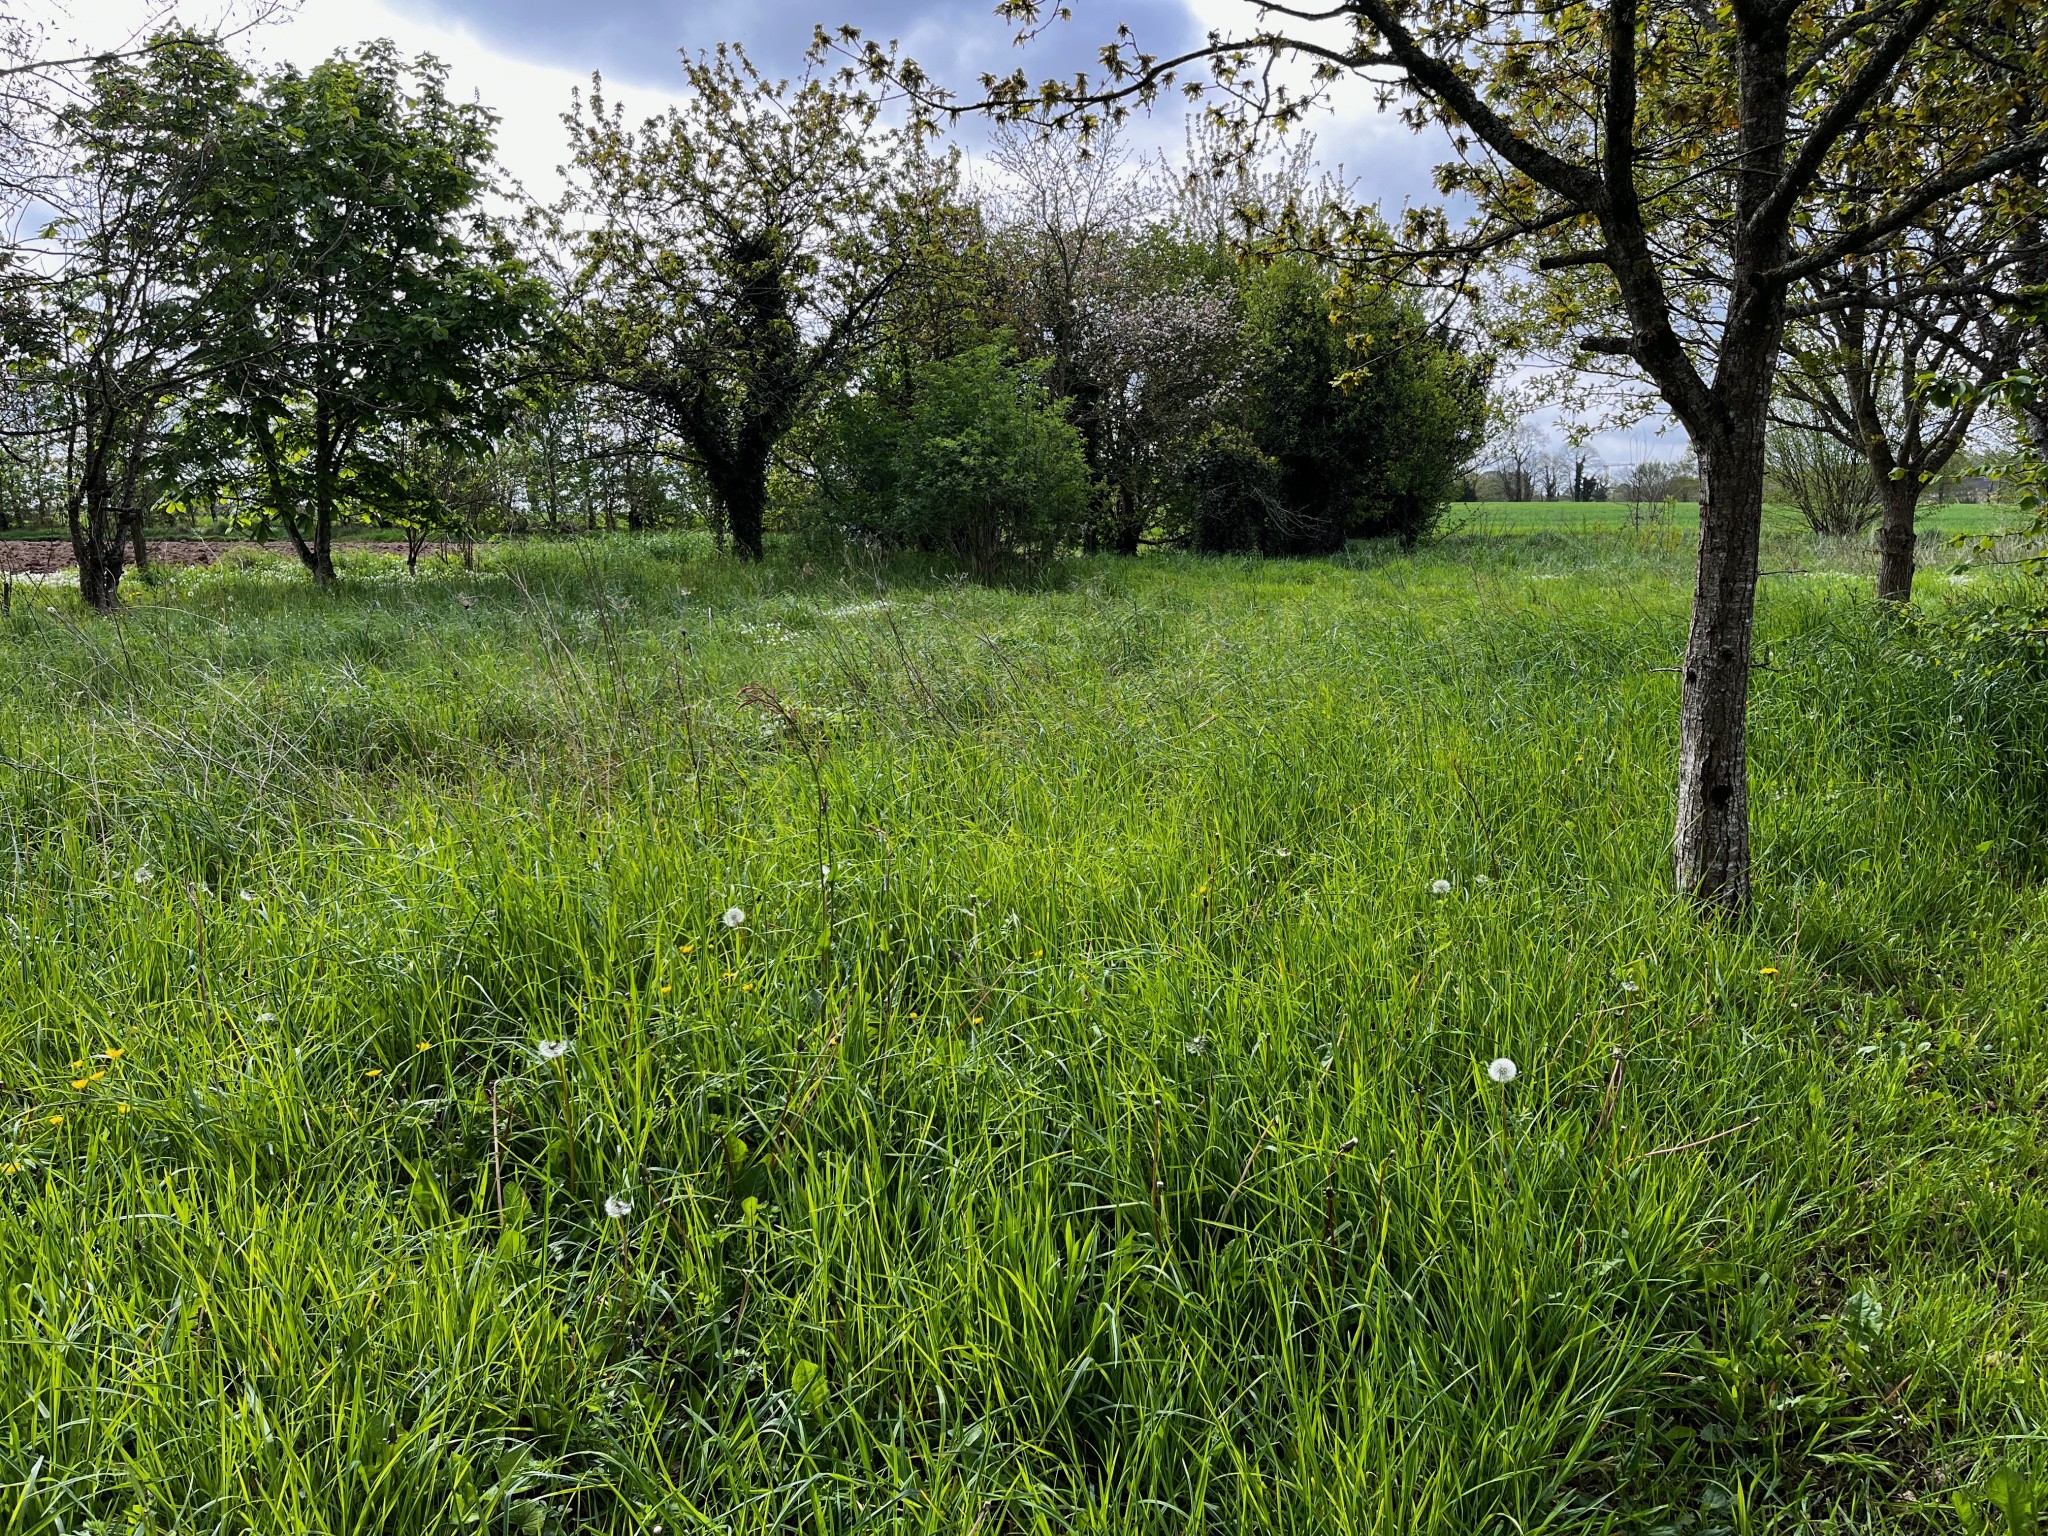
(1087, 1129)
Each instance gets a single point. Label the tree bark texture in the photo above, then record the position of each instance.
(1711, 845)
(1896, 537)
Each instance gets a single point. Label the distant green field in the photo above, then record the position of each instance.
(1541, 516)
(1082, 1122)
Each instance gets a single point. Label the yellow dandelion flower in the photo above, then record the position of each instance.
(120, 1109)
(424, 1046)
(1769, 970)
(374, 1072)
(78, 1065)
(975, 1020)
(747, 987)
(96, 1077)
(1038, 954)
(81, 1082)
(114, 1052)
(55, 1120)
(689, 949)
(10, 1167)
(666, 989)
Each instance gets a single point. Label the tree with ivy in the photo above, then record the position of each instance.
(731, 261)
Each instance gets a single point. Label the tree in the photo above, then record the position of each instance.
(357, 294)
(1863, 346)
(1158, 345)
(118, 343)
(730, 261)
(1674, 164)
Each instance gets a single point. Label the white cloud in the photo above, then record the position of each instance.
(529, 97)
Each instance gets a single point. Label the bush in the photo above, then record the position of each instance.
(1371, 415)
(1233, 494)
(1828, 482)
(967, 454)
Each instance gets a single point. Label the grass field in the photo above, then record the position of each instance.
(1086, 1128)
(1499, 517)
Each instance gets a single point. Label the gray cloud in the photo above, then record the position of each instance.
(637, 39)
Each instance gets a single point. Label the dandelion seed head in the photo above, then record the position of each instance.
(552, 1050)
(1502, 1069)
(735, 917)
(1439, 887)
(617, 1207)
(1629, 986)
(144, 875)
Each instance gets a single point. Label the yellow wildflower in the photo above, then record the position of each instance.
(114, 1052)
(374, 1072)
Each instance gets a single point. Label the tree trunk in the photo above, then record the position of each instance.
(322, 562)
(742, 489)
(1130, 523)
(1711, 844)
(1895, 538)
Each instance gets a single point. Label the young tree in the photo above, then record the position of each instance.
(1676, 164)
(730, 262)
(357, 294)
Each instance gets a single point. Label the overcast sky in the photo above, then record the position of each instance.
(523, 57)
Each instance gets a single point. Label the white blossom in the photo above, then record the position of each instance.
(1502, 1069)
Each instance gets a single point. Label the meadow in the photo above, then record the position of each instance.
(1937, 522)
(617, 1041)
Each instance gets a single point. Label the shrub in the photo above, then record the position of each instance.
(1828, 482)
(1371, 415)
(1233, 494)
(967, 454)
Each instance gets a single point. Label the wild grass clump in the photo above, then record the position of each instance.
(617, 1040)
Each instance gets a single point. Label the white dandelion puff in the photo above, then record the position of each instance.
(1629, 986)
(617, 1207)
(144, 875)
(735, 917)
(1503, 1070)
(552, 1050)
(1439, 887)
